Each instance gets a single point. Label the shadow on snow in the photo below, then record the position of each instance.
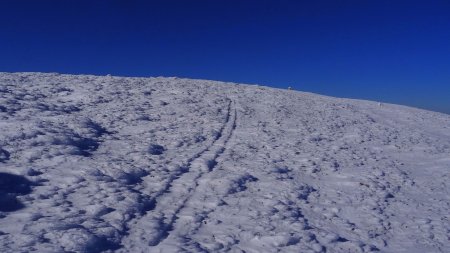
(10, 186)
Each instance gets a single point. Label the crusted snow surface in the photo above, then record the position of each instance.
(112, 164)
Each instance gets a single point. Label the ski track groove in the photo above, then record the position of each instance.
(196, 167)
(190, 228)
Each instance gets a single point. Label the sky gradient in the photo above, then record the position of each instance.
(390, 51)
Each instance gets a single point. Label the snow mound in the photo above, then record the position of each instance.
(112, 164)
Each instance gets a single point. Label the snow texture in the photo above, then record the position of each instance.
(112, 164)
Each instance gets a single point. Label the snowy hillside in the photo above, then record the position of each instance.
(93, 164)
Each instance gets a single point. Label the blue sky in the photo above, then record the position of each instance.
(393, 51)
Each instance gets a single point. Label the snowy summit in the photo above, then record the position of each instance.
(112, 164)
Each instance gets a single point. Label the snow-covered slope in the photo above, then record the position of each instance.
(91, 164)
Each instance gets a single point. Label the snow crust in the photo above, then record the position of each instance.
(112, 164)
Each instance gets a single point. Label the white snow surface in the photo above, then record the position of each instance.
(113, 164)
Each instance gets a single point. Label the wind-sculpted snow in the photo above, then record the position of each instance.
(111, 164)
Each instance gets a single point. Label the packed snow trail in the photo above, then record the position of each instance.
(111, 164)
(152, 228)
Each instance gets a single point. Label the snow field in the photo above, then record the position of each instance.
(104, 164)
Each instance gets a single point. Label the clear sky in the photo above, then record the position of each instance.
(393, 51)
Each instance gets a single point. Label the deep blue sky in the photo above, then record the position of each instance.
(394, 51)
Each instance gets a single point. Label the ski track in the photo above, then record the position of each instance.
(172, 199)
(195, 211)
